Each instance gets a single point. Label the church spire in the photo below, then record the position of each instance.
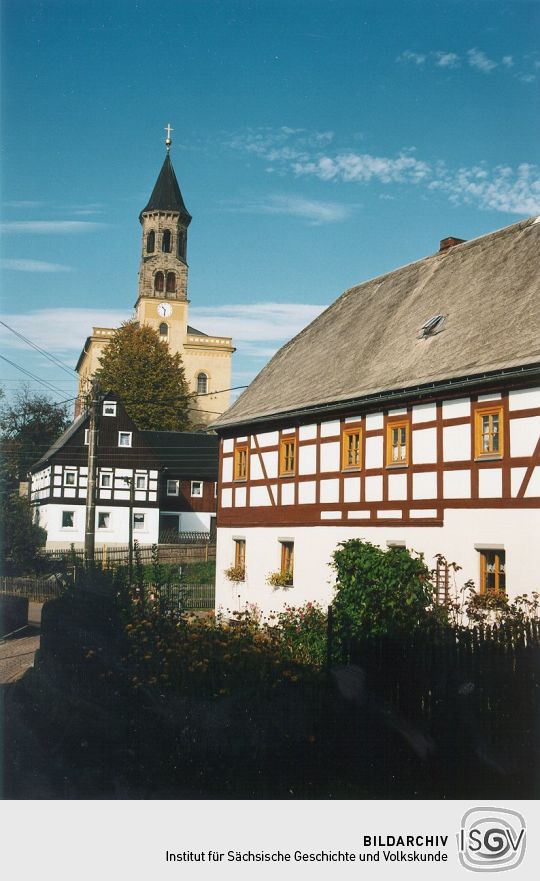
(166, 195)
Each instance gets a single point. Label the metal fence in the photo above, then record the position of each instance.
(36, 589)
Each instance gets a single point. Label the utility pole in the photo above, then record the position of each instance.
(90, 527)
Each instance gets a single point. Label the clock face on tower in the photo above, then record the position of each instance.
(165, 310)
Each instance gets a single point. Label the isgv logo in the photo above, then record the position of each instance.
(491, 839)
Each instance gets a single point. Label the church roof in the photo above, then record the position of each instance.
(370, 345)
(166, 195)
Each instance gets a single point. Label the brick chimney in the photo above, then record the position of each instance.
(448, 243)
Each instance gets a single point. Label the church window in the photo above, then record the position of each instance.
(150, 242)
(171, 282)
(202, 384)
(164, 330)
(182, 245)
(158, 282)
(166, 241)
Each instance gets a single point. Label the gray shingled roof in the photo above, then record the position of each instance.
(166, 195)
(368, 341)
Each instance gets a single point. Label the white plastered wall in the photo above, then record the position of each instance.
(116, 534)
(313, 547)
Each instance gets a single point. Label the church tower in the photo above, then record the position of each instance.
(162, 303)
(163, 275)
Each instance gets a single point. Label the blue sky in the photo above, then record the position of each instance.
(317, 143)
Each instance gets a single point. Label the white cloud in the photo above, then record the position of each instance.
(315, 211)
(23, 203)
(33, 266)
(417, 58)
(480, 61)
(364, 167)
(43, 227)
(508, 61)
(526, 77)
(515, 191)
(251, 324)
(58, 330)
(258, 329)
(447, 59)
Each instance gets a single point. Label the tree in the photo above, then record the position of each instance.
(29, 425)
(21, 538)
(139, 367)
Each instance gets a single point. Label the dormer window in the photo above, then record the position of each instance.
(159, 282)
(151, 242)
(166, 241)
(109, 409)
(202, 384)
(171, 282)
(164, 330)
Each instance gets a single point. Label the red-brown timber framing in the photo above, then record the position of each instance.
(277, 514)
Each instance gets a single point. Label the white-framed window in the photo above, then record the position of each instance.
(86, 436)
(124, 438)
(105, 479)
(139, 521)
(104, 520)
(196, 489)
(215, 489)
(68, 519)
(173, 487)
(70, 477)
(109, 408)
(141, 481)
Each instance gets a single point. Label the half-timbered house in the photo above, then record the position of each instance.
(167, 478)
(408, 413)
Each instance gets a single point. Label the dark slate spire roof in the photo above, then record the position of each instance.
(166, 195)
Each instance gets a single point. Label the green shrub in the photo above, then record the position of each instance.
(303, 633)
(379, 592)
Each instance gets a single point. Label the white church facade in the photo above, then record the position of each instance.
(408, 414)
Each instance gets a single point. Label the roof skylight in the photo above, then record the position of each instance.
(433, 326)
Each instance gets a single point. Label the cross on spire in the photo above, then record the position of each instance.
(168, 140)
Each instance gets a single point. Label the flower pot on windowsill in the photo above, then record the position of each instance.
(279, 579)
(236, 574)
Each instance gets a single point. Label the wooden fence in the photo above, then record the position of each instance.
(190, 552)
(477, 686)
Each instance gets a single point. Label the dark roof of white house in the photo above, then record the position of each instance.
(370, 341)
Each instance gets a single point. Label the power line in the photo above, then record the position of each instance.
(42, 382)
(35, 346)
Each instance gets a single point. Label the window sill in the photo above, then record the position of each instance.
(489, 457)
(394, 465)
(353, 468)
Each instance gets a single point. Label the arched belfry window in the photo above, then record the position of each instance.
(150, 242)
(158, 281)
(171, 283)
(202, 384)
(182, 244)
(164, 330)
(166, 241)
